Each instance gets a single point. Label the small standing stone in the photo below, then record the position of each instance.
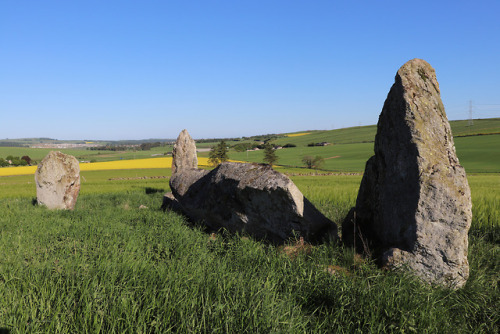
(414, 202)
(57, 181)
(184, 153)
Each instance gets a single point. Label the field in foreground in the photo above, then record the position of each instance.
(109, 266)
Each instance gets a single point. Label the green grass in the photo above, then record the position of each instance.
(361, 134)
(367, 133)
(333, 195)
(356, 134)
(93, 182)
(349, 157)
(479, 126)
(111, 267)
(353, 146)
(479, 153)
(476, 153)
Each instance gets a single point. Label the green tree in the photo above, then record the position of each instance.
(17, 162)
(316, 162)
(242, 147)
(269, 154)
(218, 154)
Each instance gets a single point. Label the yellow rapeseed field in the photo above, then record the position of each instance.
(24, 170)
(298, 134)
(128, 164)
(108, 165)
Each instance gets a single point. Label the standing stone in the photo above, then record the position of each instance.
(184, 153)
(184, 167)
(57, 181)
(414, 204)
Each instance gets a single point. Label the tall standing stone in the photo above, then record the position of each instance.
(414, 203)
(57, 179)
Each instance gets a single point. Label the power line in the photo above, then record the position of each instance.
(491, 110)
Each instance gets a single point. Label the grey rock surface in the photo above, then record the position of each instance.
(248, 198)
(184, 152)
(57, 181)
(414, 204)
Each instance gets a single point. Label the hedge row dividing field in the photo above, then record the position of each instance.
(118, 263)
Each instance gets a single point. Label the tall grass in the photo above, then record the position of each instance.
(332, 195)
(111, 267)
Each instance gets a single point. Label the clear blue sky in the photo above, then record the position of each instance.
(148, 69)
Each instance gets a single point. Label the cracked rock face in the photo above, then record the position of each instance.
(57, 181)
(247, 198)
(414, 204)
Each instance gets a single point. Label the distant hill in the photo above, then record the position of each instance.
(357, 134)
(477, 145)
(28, 142)
(366, 134)
(478, 127)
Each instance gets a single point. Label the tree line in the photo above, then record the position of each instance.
(219, 154)
(16, 161)
(141, 147)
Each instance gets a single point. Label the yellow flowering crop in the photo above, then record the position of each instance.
(108, 165)
(298, 134)
(128, 164)
(24, 170)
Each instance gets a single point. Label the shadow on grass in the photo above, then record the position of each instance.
(150, 190)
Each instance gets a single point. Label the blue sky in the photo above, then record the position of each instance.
(148, 69)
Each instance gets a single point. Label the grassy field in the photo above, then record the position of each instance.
(111, 267)
(353, 147)
(119, 264)
(479, 153)
(479, 126)
(360, 134)
(476, 153)
(478, 147)
(346, 157)
(93, 182)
